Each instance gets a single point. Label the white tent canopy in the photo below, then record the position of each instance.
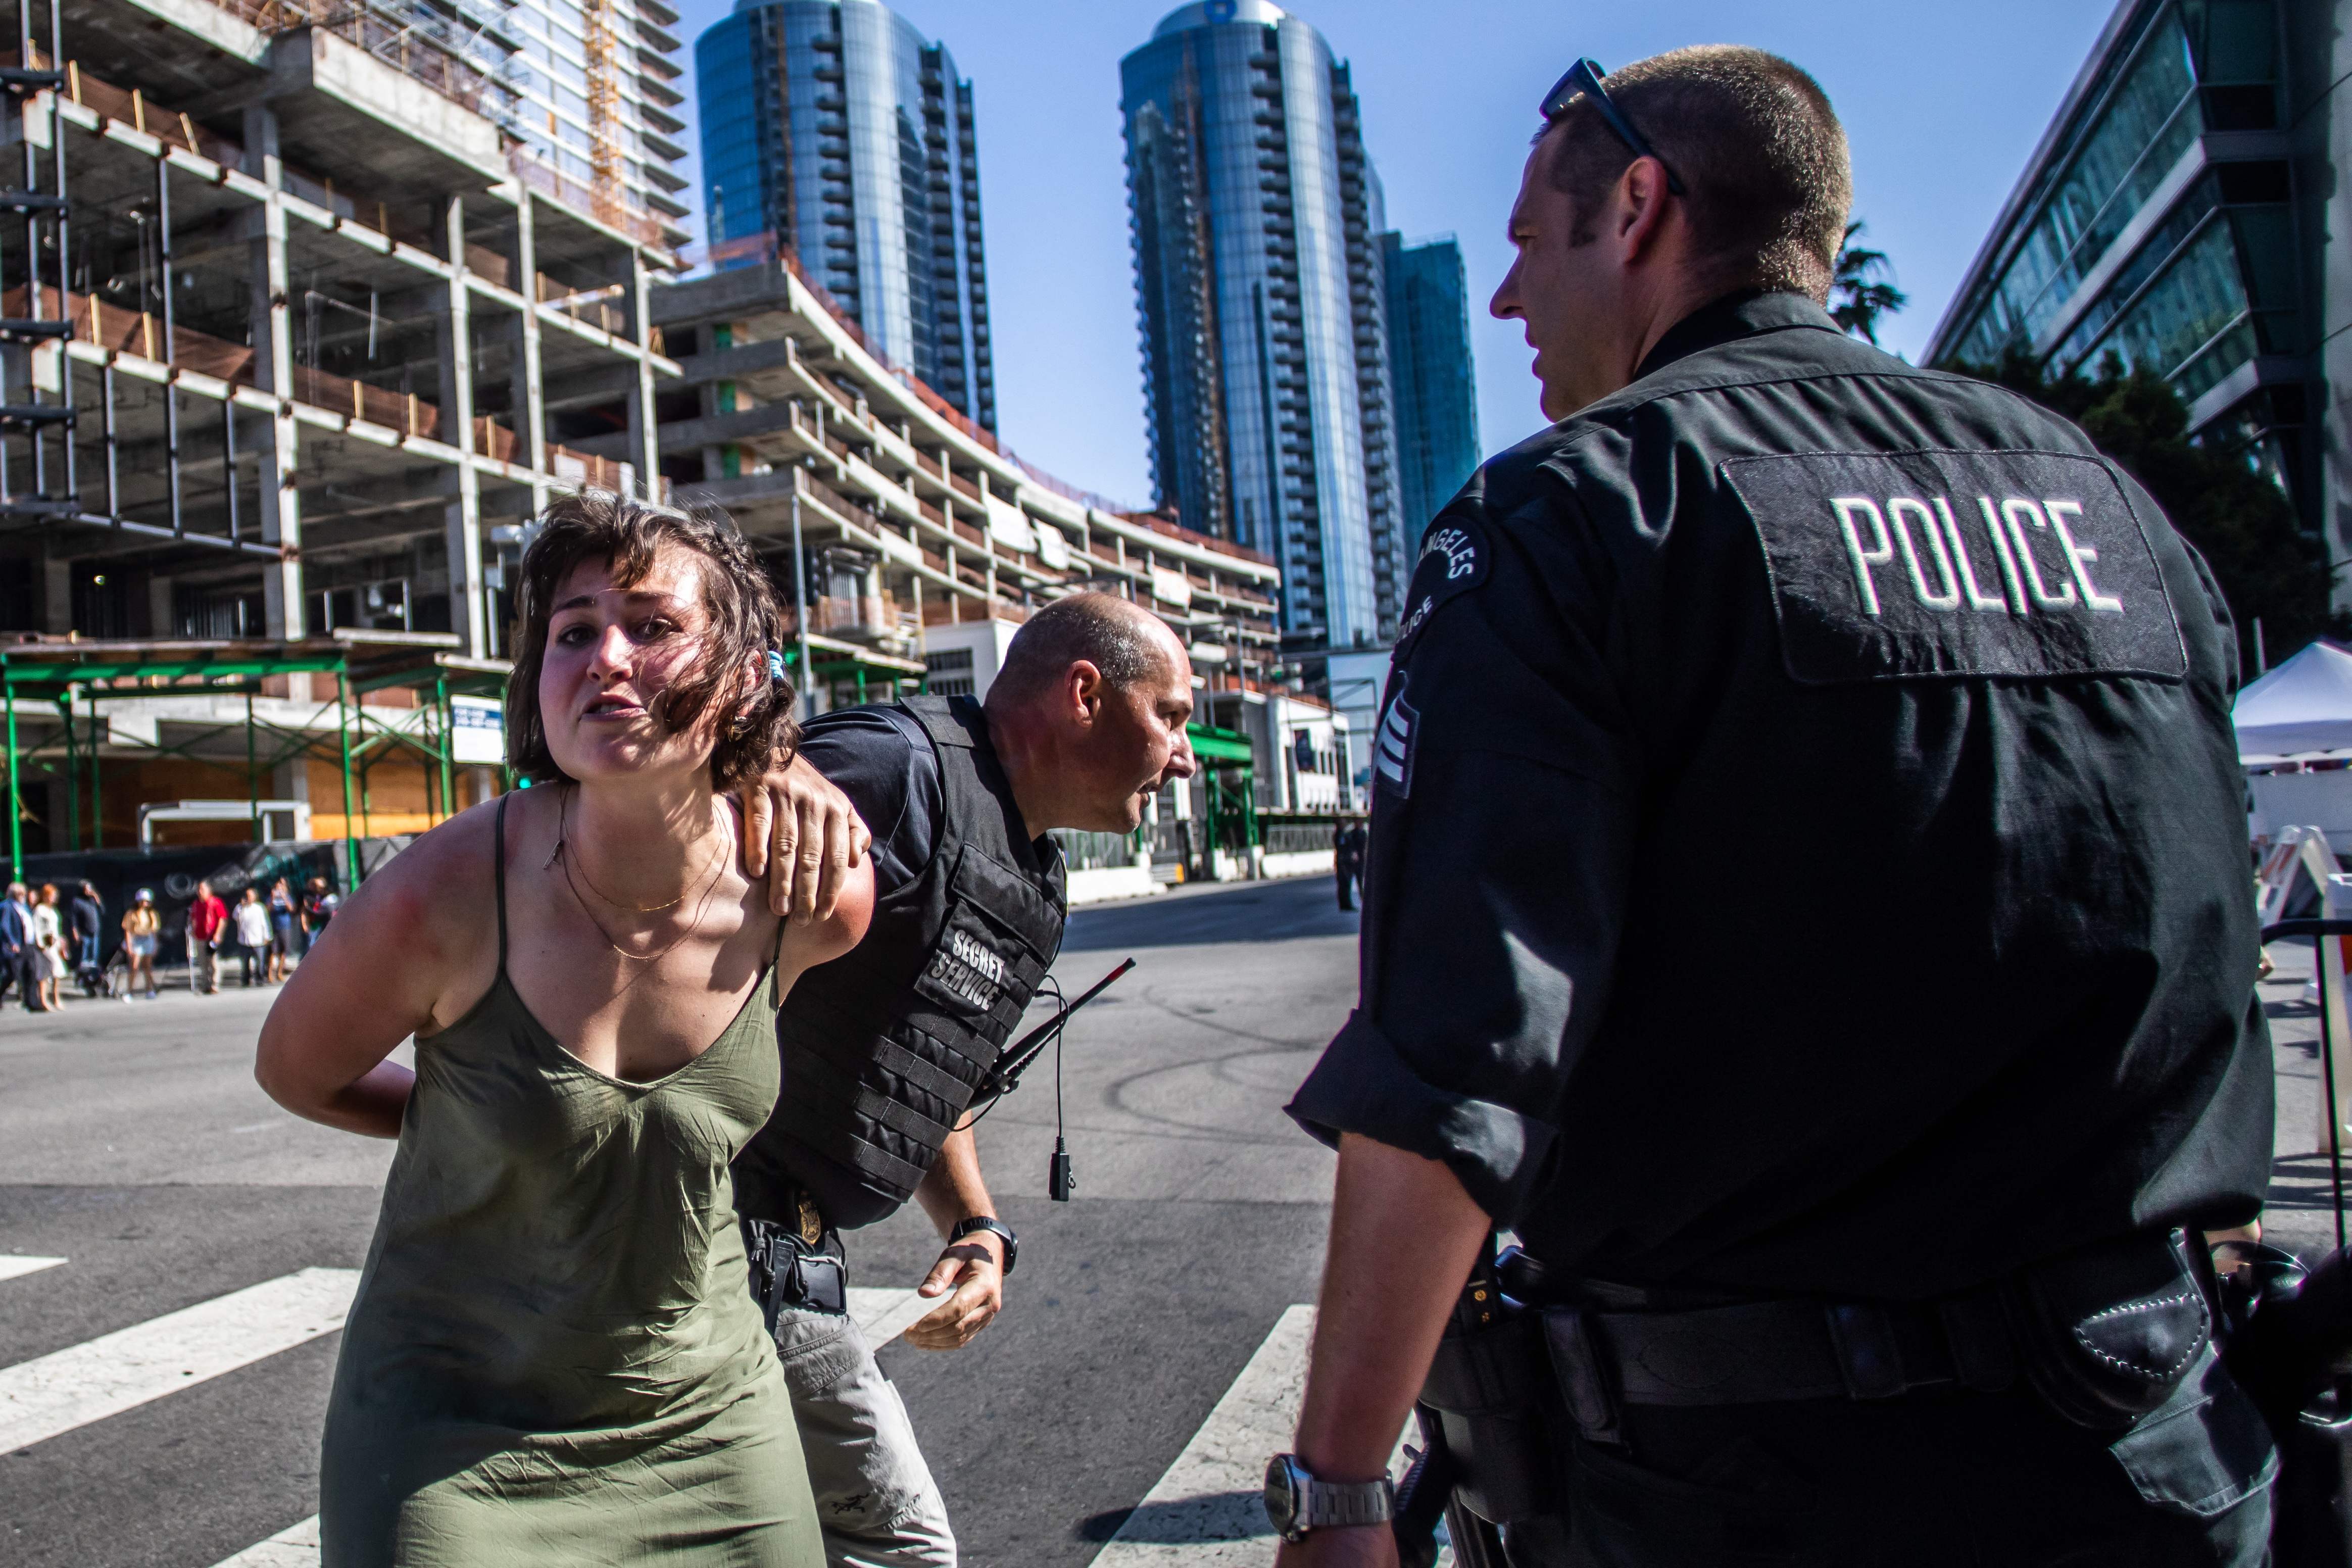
(2303, 707)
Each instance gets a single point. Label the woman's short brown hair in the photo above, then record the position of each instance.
(745, 631)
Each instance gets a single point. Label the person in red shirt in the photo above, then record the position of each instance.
(205, 917)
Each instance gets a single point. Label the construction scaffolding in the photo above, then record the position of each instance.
(65, 704)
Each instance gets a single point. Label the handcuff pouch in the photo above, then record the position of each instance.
(2107, 1332)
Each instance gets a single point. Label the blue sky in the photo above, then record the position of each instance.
(1942, 102)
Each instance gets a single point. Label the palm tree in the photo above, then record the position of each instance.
(1859, 292)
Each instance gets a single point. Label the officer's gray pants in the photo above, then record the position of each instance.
(875, 1500)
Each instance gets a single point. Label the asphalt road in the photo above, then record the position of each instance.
(134, 1145)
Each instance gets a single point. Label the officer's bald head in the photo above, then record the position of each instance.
(1126, 644)
(1756, 145)
(1089, 713)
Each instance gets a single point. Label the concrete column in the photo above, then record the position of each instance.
(159, 606)
(273, 353)
(531, 401)
(57, 589)
(644, 437)
(463, 515)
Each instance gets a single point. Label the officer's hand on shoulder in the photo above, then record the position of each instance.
(971, 1274)
(797, 820)
(1356, 1546)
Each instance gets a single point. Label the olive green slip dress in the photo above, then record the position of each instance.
(554, 1356)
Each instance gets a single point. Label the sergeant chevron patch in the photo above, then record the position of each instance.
(1392, 747)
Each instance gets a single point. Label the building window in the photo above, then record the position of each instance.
(948, 672)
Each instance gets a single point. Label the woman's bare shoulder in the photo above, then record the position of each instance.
(441, 888)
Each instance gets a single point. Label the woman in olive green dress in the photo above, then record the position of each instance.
(554, 1357)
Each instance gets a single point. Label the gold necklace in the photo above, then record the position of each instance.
(563, 836)
(692, 926)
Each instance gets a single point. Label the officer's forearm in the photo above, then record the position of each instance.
(1403, 1237)
(953, 1189)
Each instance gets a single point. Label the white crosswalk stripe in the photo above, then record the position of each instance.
(1206, 1512)
(1209, 1510)
(14, 1264)
(104, 1376)
(296, 1546)
(883, 1313)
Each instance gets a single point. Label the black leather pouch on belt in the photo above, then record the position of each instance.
(1486, 1383)
(2107, 1333)
(787, 1272)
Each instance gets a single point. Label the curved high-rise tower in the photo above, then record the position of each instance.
(1255, 217)
(836, 127)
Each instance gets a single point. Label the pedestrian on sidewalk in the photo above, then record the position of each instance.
(86, 930)
(207, 917)
(1867, 1218)
(49, 947)
(589, 978)
(17, 952)
(319, 905)
(1347, 861)
(142, 930)
(250, 925)
(281, 931)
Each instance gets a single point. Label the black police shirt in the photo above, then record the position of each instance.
(1807, 853)
(884, 763)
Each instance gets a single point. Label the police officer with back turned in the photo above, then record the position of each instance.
(885, 1049)
(1861, 1213)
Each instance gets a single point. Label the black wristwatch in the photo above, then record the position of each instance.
(1296, 1502)
(996, 1228)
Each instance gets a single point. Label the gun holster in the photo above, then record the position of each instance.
(789, 1271)
(1488, 1389)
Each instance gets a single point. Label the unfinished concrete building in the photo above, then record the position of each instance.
(925, 544)
(294, 336)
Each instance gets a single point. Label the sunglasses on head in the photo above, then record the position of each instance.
(1583, 79)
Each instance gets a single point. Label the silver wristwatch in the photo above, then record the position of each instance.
(1296, 1502)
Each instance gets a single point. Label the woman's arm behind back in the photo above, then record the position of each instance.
(418, 933)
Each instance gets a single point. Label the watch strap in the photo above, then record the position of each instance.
(1335, 1505)
(996, 1228)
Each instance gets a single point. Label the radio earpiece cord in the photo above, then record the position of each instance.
(1061, 1180)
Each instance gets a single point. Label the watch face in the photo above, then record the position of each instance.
(1282, 1498)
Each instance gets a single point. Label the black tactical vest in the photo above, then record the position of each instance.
(883, 1046)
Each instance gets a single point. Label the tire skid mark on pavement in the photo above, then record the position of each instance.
(15, 1266)
(883, 1313)
(54, 1393)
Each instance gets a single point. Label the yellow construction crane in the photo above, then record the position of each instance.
(603, 112)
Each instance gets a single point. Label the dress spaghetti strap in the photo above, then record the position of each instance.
(498, 866)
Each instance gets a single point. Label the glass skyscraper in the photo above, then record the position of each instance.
(1429, 364)
(836, 127)
(2180, 214)
(1256, 214)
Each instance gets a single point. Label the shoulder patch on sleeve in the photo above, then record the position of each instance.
(1454, 558)
(1916, 565)
(1392, 745)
